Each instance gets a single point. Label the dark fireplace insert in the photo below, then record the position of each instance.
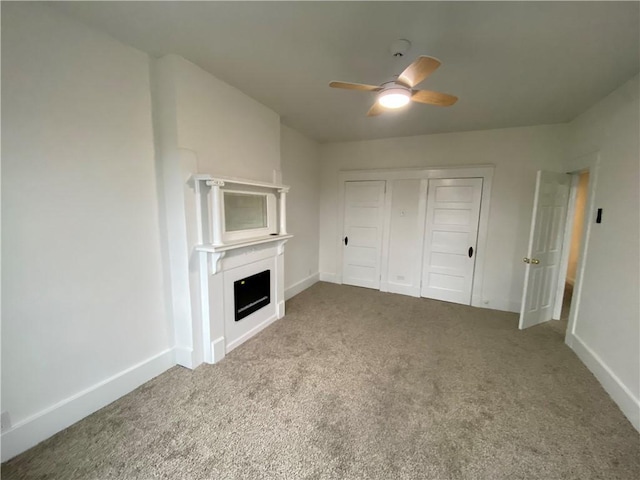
(251, 294)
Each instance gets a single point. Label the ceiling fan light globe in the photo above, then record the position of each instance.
(394, 98)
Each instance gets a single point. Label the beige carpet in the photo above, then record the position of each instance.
(358, 384)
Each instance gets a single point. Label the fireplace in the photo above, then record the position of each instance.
(250, 294)
(241, 235)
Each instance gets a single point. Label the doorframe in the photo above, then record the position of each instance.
(566, 245)
(424, 175)
(590, 162)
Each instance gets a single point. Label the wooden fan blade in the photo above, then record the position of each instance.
(420, 69)
(433, 98)
(355, 86)
(375, 110)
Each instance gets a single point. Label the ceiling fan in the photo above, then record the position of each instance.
(399, 92)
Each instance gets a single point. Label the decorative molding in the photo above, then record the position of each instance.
(617, 390)
(215, 183)
(280, 247)
(211, 248)
(215, 262)
(222, 181)
(282, 224)
(32, 430)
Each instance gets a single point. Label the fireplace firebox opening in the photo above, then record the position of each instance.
(251, 294)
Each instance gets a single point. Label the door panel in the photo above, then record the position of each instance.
(453, 213)
(451, 217)
(545, 248)
(363, 221)
(456, 194)
(448, 281)
(451, 242)
(444, 261)
(365, 237)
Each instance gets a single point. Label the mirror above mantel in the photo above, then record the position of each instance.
(234, 212)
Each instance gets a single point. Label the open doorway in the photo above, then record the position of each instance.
(575, 228)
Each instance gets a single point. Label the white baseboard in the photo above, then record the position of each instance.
(300, 286)
(624, 398)
(502, 304)
(410, 290)
(514, 307)
(246, 336)
(328, 277)
(32, 430)
(184, 357)
(217, 349)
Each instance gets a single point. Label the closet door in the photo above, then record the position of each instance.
(451, 234)
(362, 234)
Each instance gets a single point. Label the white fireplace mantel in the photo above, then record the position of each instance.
(217, 252)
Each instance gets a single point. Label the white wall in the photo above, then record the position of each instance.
(83, 317)
(230, 133)
(403, 272)
(301, 171)
(203, 125)
(517, 154)
(606, 332)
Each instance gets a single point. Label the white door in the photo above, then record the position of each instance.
(362, 239)
(545, 247)
(451, 233)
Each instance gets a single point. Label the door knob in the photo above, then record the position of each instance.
(535, 261)
(346, 241)
(526, 260)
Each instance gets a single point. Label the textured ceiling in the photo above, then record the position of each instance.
(511, 63)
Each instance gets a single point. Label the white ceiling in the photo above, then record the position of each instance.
(511, 63)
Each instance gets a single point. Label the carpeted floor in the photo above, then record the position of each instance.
(358, 384)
